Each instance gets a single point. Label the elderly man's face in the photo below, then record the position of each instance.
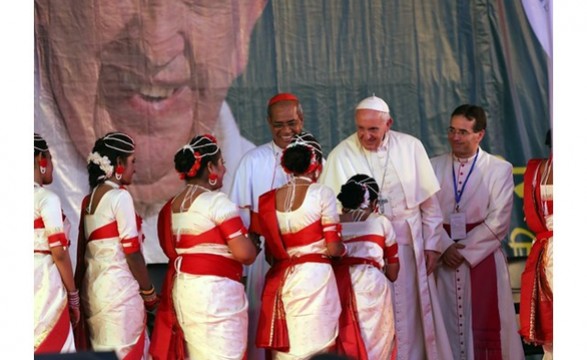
(157, 70)
(371, 128)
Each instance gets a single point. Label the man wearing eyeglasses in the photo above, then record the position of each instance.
(258, 172)
(400, 165)
(476, 198)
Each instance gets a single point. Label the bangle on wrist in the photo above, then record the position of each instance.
(73, 299)
(151, 291)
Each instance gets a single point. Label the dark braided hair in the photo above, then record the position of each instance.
(113, 146)
(40, 145)
(191, 160)
(303, 155)
(352, 193)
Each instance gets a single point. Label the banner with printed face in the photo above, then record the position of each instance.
(164, 71)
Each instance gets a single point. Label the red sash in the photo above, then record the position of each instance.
(532, 210)
(138, 349)
(349, 341)
(55, 339)
(272, 331)
(468, 227)
(485, 311)
(536, 300)
(167, 339)
(39, 223)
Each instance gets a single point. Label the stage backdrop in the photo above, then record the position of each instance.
(423, 57)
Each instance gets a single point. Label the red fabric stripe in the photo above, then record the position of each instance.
(167, 339)
(135, 245)
(138, 349)
(332, 235)
(532, 209)
(377, 239)
(217, 235)
(105, 232)
(210, 264)
(305, 236)
(349, 341)
(55, 340)
(212, 236)
(255, 226)
(468, 227)
(485, 311)
(390, 254)
(43, 251)
(230, 226)
(39, 224)
(536, 301)
(272, 331)
(57, 237)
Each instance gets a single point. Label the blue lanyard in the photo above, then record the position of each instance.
(454, 181)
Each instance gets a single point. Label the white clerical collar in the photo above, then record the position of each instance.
(463, 161)
(276, 149)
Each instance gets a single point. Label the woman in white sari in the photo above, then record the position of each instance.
(56, 297)
(300, 305)
(364, 276)
(204, 305)
(114, 282)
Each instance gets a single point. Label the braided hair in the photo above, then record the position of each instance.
(40, 145)
(191, 160)
(358, 192)
(105, 154)
(303, 155)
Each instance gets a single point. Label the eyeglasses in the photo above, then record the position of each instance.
(460, 132)
(290, 123)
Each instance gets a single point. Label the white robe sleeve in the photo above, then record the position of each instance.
(484, 239)
(431, 224)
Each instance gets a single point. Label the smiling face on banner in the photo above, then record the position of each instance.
(156, 70)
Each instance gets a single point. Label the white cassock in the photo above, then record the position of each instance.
(70, 176)
(258, 172)
(407, 187)
(487, 198)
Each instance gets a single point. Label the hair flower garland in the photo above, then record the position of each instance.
(103, 162)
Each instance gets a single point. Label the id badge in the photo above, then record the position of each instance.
(458, 226)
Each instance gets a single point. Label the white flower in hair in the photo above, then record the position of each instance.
(103, 162)
(365, 203)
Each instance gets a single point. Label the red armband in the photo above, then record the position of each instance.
(57, 239)
(131, 245)
(390, 254)
(332, 233)
(231, 226)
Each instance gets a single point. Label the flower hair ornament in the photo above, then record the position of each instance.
(195, 167)
(196, 147)
(365, 203)
(103, 162)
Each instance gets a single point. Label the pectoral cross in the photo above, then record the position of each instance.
(381, 203)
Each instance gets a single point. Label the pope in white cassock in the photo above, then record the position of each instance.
(400, 165)
(473, 282)
(259, 171)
